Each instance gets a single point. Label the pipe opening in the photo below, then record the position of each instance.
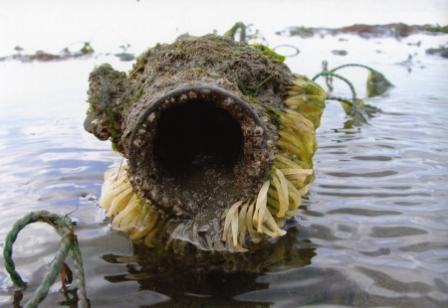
(197, 143)
(198, 147)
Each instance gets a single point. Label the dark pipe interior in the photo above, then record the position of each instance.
(197, 143)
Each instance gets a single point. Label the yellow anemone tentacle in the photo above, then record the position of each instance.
(128, 212)
(280, 196)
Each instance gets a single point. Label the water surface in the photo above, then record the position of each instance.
(372, 232)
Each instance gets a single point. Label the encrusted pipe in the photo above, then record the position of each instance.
(218, 138)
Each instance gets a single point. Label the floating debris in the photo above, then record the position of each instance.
(410, 63)
(441, 51)
(417, 44)
(339, 52)
(125, 56)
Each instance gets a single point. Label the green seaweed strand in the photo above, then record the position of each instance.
(352, 65)
(330, 74)
(356, 111)
(232, 32)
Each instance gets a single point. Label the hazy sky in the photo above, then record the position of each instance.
(54, 24)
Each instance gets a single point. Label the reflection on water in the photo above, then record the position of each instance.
(200, 279)
(372, 231)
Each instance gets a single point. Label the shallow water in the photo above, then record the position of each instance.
(372, 232)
